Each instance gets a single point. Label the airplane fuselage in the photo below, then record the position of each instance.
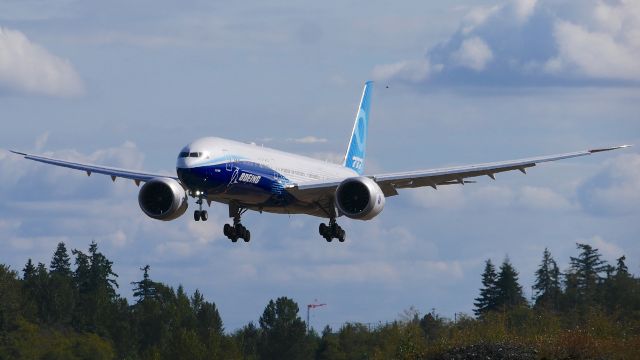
(252, 176)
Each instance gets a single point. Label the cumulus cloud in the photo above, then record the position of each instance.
(473, 53)
(615, 189)
(594, 54)
(531, 42)
(26, 67)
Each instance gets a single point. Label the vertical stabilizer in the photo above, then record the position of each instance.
(354, 158)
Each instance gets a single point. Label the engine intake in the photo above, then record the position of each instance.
(163, 199)
(359, 198)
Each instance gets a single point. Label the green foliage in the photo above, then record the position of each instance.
(508, 290)
(10, 298)
(31, 341)
(283, 333)
(547, 284)
(587, 269)
(66, 312)
(488, 293)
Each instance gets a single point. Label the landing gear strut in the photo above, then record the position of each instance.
(200, 214)
(332, 231)
(237, 230)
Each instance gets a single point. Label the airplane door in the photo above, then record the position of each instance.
(228, 160)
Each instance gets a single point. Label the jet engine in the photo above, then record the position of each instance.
(359, 198)
(163, 199)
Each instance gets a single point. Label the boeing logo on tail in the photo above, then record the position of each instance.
(266, 180)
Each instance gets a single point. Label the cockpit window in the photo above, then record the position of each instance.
(186, 154)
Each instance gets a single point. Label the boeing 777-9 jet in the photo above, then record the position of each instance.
(249, 177)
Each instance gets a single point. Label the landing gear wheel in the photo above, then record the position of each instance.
(322, 229)
(332, 231)
(237, 230)
(199, 214)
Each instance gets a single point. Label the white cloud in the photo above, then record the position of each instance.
(543, 198)
(533, 42)
(27, 67)
(473, 53)
(477, 16)
(615, 189)
(610, 250)
(594, 54)
(448, 197)
(524, 8)
(309, 140)
(407, 70)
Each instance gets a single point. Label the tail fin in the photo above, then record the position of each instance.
(354, 158)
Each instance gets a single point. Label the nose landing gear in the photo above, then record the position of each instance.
(332, 231)
(200, 214)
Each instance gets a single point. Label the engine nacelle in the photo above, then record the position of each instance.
(359, 198)
(163, 199)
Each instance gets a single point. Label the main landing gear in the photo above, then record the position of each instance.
(332, 231)
(237, 230)
(200, 214)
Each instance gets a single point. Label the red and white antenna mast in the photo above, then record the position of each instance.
(309, 307)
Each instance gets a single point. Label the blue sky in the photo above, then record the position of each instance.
(128, 84)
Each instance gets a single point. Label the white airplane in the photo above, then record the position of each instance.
(250, 177)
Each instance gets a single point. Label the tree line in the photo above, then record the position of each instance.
(590, 283)
(65, 311)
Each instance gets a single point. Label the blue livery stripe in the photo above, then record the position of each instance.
(356, 152)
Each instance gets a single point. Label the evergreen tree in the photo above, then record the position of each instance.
(61, 263)
(587, 268)
(41, 294)
(208, 325)
(247, 339)
(547, 284)
(94, 279)
(29, 271)
(488, 293)
(144, 289)
(10, 299)
(62, 292)
(623, 295)
(622, 270)
(508, 290)
(283, 331)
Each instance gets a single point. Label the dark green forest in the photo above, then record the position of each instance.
(65, 311)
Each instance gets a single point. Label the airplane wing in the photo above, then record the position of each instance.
(98, 169)
(390, 182)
